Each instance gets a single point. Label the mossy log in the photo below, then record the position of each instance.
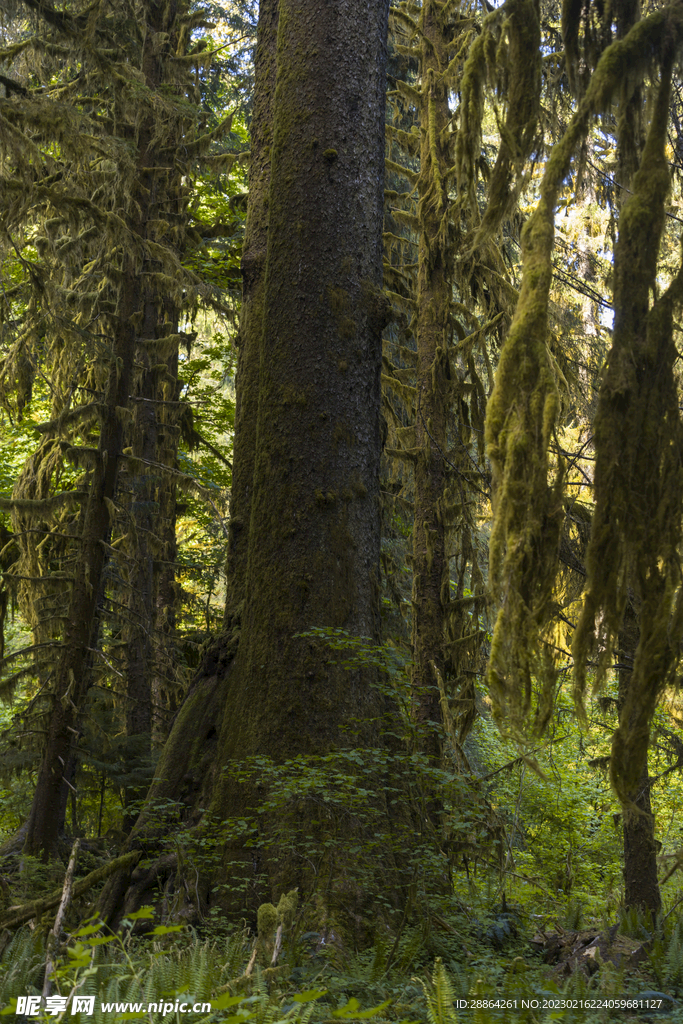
(16, 916)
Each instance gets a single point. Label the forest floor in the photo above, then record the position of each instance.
(462, 962)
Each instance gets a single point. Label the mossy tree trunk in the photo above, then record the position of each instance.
(310, 471)
(154, 447)
(313, 551)
(434, 292)
(72, 675)
(448, 395)
(641, 887)
(253, 266)
(141, 524)
(164, 685)
(132, 319)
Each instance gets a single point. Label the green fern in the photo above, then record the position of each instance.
(22, 964)
(440, 996)
(673, 958)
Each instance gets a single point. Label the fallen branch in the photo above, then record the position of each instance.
(278, 945)
(15, 916)
(53, 938)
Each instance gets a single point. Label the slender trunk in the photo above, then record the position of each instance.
(430, 564)
(153, 529)
(641, 887)
(167, 676)
(142, 524)
(72, 678)
(72, 674)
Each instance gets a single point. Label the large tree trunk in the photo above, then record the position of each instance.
(254, 253)
(313, 495)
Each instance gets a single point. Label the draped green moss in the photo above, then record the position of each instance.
(521, 416)
(635, 540)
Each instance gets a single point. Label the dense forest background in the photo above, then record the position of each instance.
(341, 493)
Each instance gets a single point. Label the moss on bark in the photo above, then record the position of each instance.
(311, 418)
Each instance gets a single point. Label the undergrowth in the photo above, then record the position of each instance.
(391, 982)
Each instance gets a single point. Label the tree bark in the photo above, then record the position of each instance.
(434, 289)
(140, 591)
(253, 265)
(641, 886)
(312, 543)
(132, 321)
(166, 692)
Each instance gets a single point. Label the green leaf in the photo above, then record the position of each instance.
(164, 929)
(143, 914)
(352, 1012)
(88, 930)
(224, 1001)
(308, 997)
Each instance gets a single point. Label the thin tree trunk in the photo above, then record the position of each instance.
(166, 677)
(641, 887)
(430, 564)
(142, 524)
(72, 674)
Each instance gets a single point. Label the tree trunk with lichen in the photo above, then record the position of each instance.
(308, 485)
(138, 631)
(641, 886)
(164, 686)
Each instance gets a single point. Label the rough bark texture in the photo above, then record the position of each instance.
(313, 537)
(164, 686)
(313, 552)
(254, 252)
(140, 591)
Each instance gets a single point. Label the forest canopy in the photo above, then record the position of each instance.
(341, 493)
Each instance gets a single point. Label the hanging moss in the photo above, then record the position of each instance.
(636, 533)
(521, 413)
(508, 54)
